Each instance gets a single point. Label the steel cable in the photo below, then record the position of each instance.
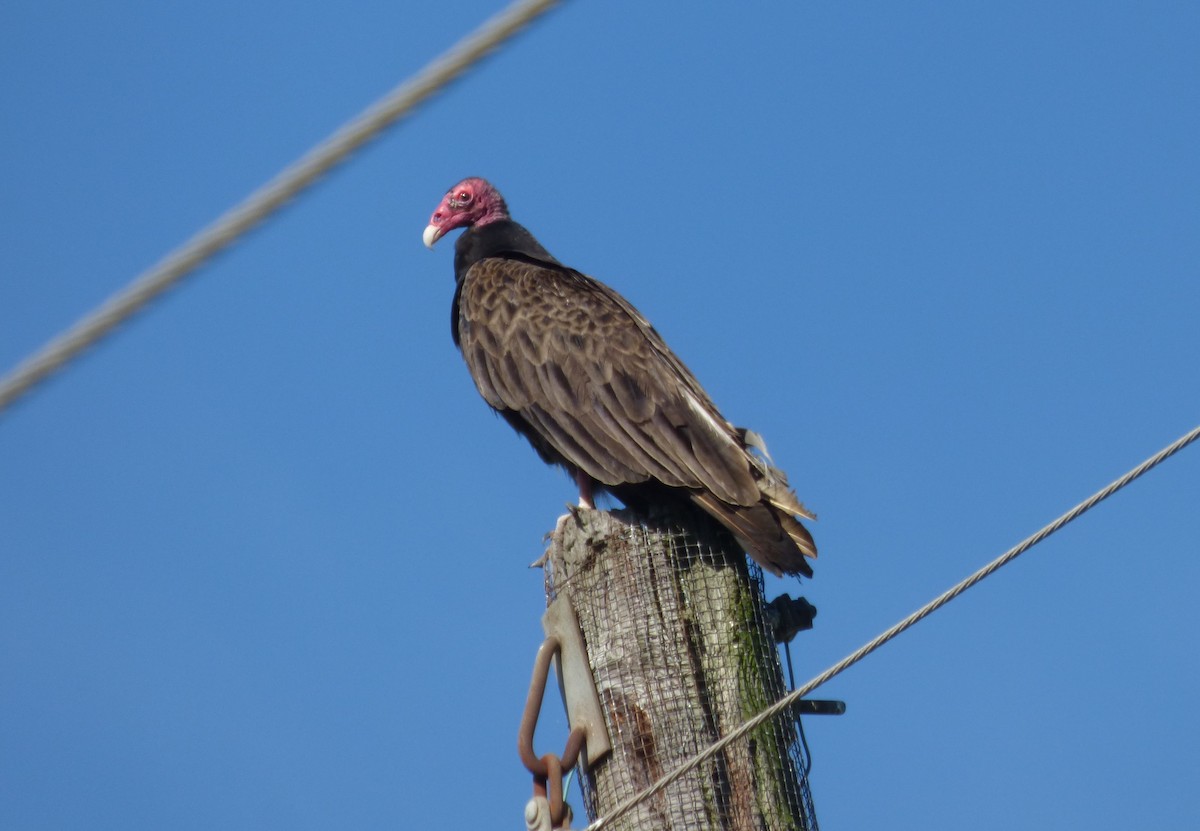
(268, 199)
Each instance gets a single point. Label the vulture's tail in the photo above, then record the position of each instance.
(773, 538)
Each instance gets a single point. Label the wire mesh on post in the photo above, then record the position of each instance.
(682, 653)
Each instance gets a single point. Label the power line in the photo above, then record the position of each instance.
(920, 614)
(268, 199)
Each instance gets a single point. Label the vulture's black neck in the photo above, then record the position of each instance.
(503, 238)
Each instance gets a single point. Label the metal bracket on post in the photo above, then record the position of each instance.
(564, 642)
(575, 681)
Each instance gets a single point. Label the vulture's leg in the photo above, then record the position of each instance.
(584, 483)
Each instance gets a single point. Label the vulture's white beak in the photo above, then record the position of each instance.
(432, 234)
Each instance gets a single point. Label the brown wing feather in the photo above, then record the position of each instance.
(578, 370)
(563, 352)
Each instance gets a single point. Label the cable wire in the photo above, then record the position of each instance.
(269, 198)
(920, 614)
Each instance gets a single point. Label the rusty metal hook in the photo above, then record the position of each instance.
(564, 641)
(548, 769)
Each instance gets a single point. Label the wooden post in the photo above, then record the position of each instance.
(681, 653)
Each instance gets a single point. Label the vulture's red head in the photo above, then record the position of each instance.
(471, 202)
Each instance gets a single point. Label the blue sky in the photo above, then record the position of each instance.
(263, 553)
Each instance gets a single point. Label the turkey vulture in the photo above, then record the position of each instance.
(578, 371)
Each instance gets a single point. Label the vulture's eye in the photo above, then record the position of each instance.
(464, 196)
